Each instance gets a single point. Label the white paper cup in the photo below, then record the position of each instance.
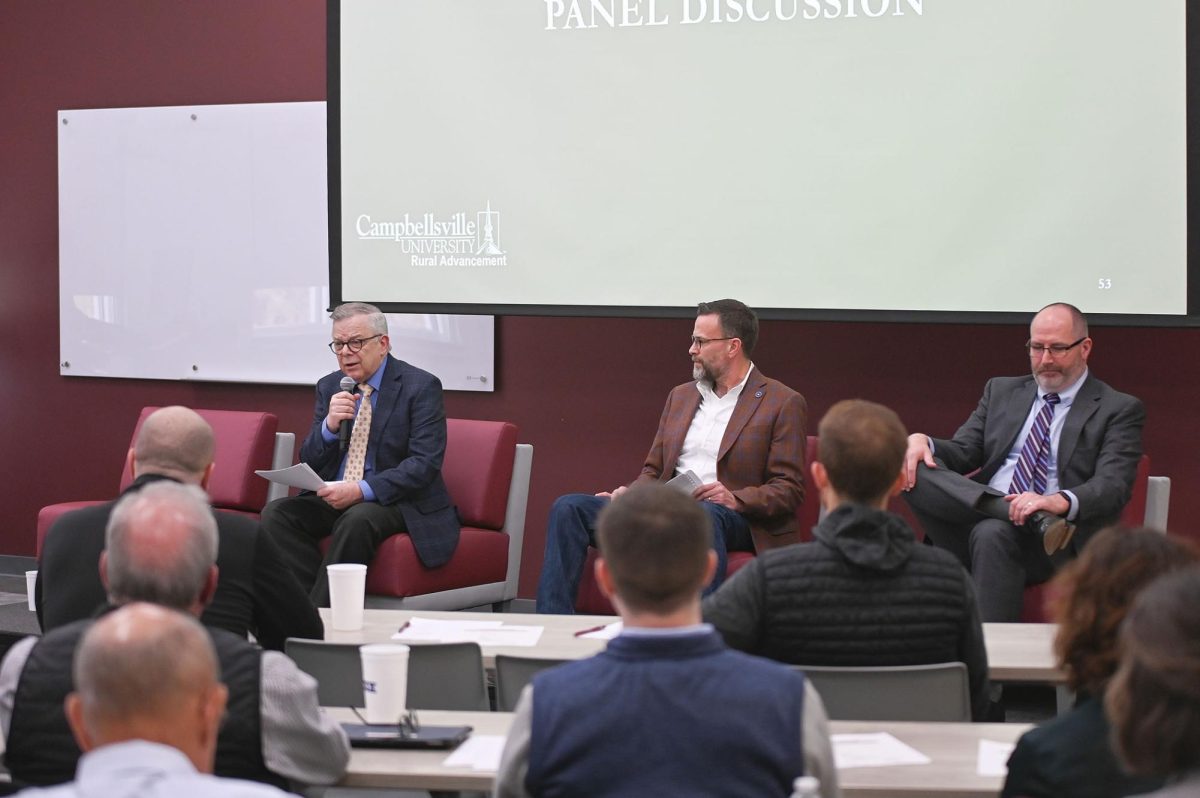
(30, 582)
(385, 681)
(347, 590)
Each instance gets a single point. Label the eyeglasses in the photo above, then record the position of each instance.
(355, 345)
(700, 342)
(1037, 350)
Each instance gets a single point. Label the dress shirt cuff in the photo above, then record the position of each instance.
(1073, 510)
(368, 494)
(326, 435)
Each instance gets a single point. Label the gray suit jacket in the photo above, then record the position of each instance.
(1098, 452)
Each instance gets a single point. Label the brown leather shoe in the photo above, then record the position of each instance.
(1056, 531)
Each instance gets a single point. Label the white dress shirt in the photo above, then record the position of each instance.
(703, 439)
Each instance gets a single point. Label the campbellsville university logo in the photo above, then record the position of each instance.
(429, 240)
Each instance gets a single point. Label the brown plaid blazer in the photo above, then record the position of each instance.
(761, 459)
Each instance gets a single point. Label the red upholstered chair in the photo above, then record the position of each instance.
(245, 441)
(487, 474)
(1033, 609)
(591, 601)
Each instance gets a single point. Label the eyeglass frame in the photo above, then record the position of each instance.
(355, 345)
(1055, 350)
(700, 342)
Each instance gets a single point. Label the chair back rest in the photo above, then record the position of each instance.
(478, 469)
(245, 441)
(938, 692)
(513, 673)
(447, 676)
(1134, 514)
(440, 675)
(337, 668)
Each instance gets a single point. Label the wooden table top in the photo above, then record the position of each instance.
(953, 747)
(1017, 652)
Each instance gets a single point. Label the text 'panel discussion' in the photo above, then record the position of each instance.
(532, 398)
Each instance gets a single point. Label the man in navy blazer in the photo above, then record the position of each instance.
(400, 488)
(1009, 529)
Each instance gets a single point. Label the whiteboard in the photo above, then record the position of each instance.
(193, 245)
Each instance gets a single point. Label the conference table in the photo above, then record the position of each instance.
(1017, 652)
(952, 747)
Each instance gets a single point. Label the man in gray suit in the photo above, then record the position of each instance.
(1054, 456)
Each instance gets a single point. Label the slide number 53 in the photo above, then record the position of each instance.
(1104, 284)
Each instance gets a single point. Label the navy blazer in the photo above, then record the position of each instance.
(404, 452)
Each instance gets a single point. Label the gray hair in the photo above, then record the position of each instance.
(140, 660)
(161, 544)
(375, 317)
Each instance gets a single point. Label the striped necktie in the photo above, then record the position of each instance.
(1035, 454)
(356, 455)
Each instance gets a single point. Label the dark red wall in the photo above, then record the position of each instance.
(586, 392)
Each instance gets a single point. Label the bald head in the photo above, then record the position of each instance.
(161, 546)
(148, 673)
(175, 442)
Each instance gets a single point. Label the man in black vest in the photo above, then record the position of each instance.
(865, 592)
(146, 709)
(257, 592)
(161, 548)
(666, 709)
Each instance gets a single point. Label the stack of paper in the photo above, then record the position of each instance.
(481, 752)
(873, 750)
(485, 633)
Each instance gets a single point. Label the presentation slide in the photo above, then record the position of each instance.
(886, 155)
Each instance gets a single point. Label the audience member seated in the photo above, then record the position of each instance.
(864, 592)
(1154, 697)
(161, 547)
(666, 709)
(738, 432)
(146, 710)
(257, 592)
(1071, 755)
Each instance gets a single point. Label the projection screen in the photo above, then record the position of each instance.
(802, 155)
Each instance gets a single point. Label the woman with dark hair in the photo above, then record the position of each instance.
(1154, 698)
(1071, 755)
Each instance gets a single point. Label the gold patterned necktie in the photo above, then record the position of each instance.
(356, 456)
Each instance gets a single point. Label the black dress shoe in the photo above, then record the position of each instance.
(1055, 531)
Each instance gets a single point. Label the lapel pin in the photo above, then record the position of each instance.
(758, 395)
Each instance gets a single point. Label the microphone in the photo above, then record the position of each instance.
(347, 384)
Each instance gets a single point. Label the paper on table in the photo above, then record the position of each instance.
(297, 476)
(485, 633)
(873, 750)
(480, 752)
(993, 757)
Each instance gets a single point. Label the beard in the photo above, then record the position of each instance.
(701, 371)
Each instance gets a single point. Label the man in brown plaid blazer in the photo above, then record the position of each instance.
(738, 433)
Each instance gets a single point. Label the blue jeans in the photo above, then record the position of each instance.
(572, 528)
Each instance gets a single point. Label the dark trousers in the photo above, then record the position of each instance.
(970, 520)
(572, 528)
(299, 523)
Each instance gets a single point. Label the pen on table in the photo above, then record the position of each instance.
(599, 628)
(403, 626)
